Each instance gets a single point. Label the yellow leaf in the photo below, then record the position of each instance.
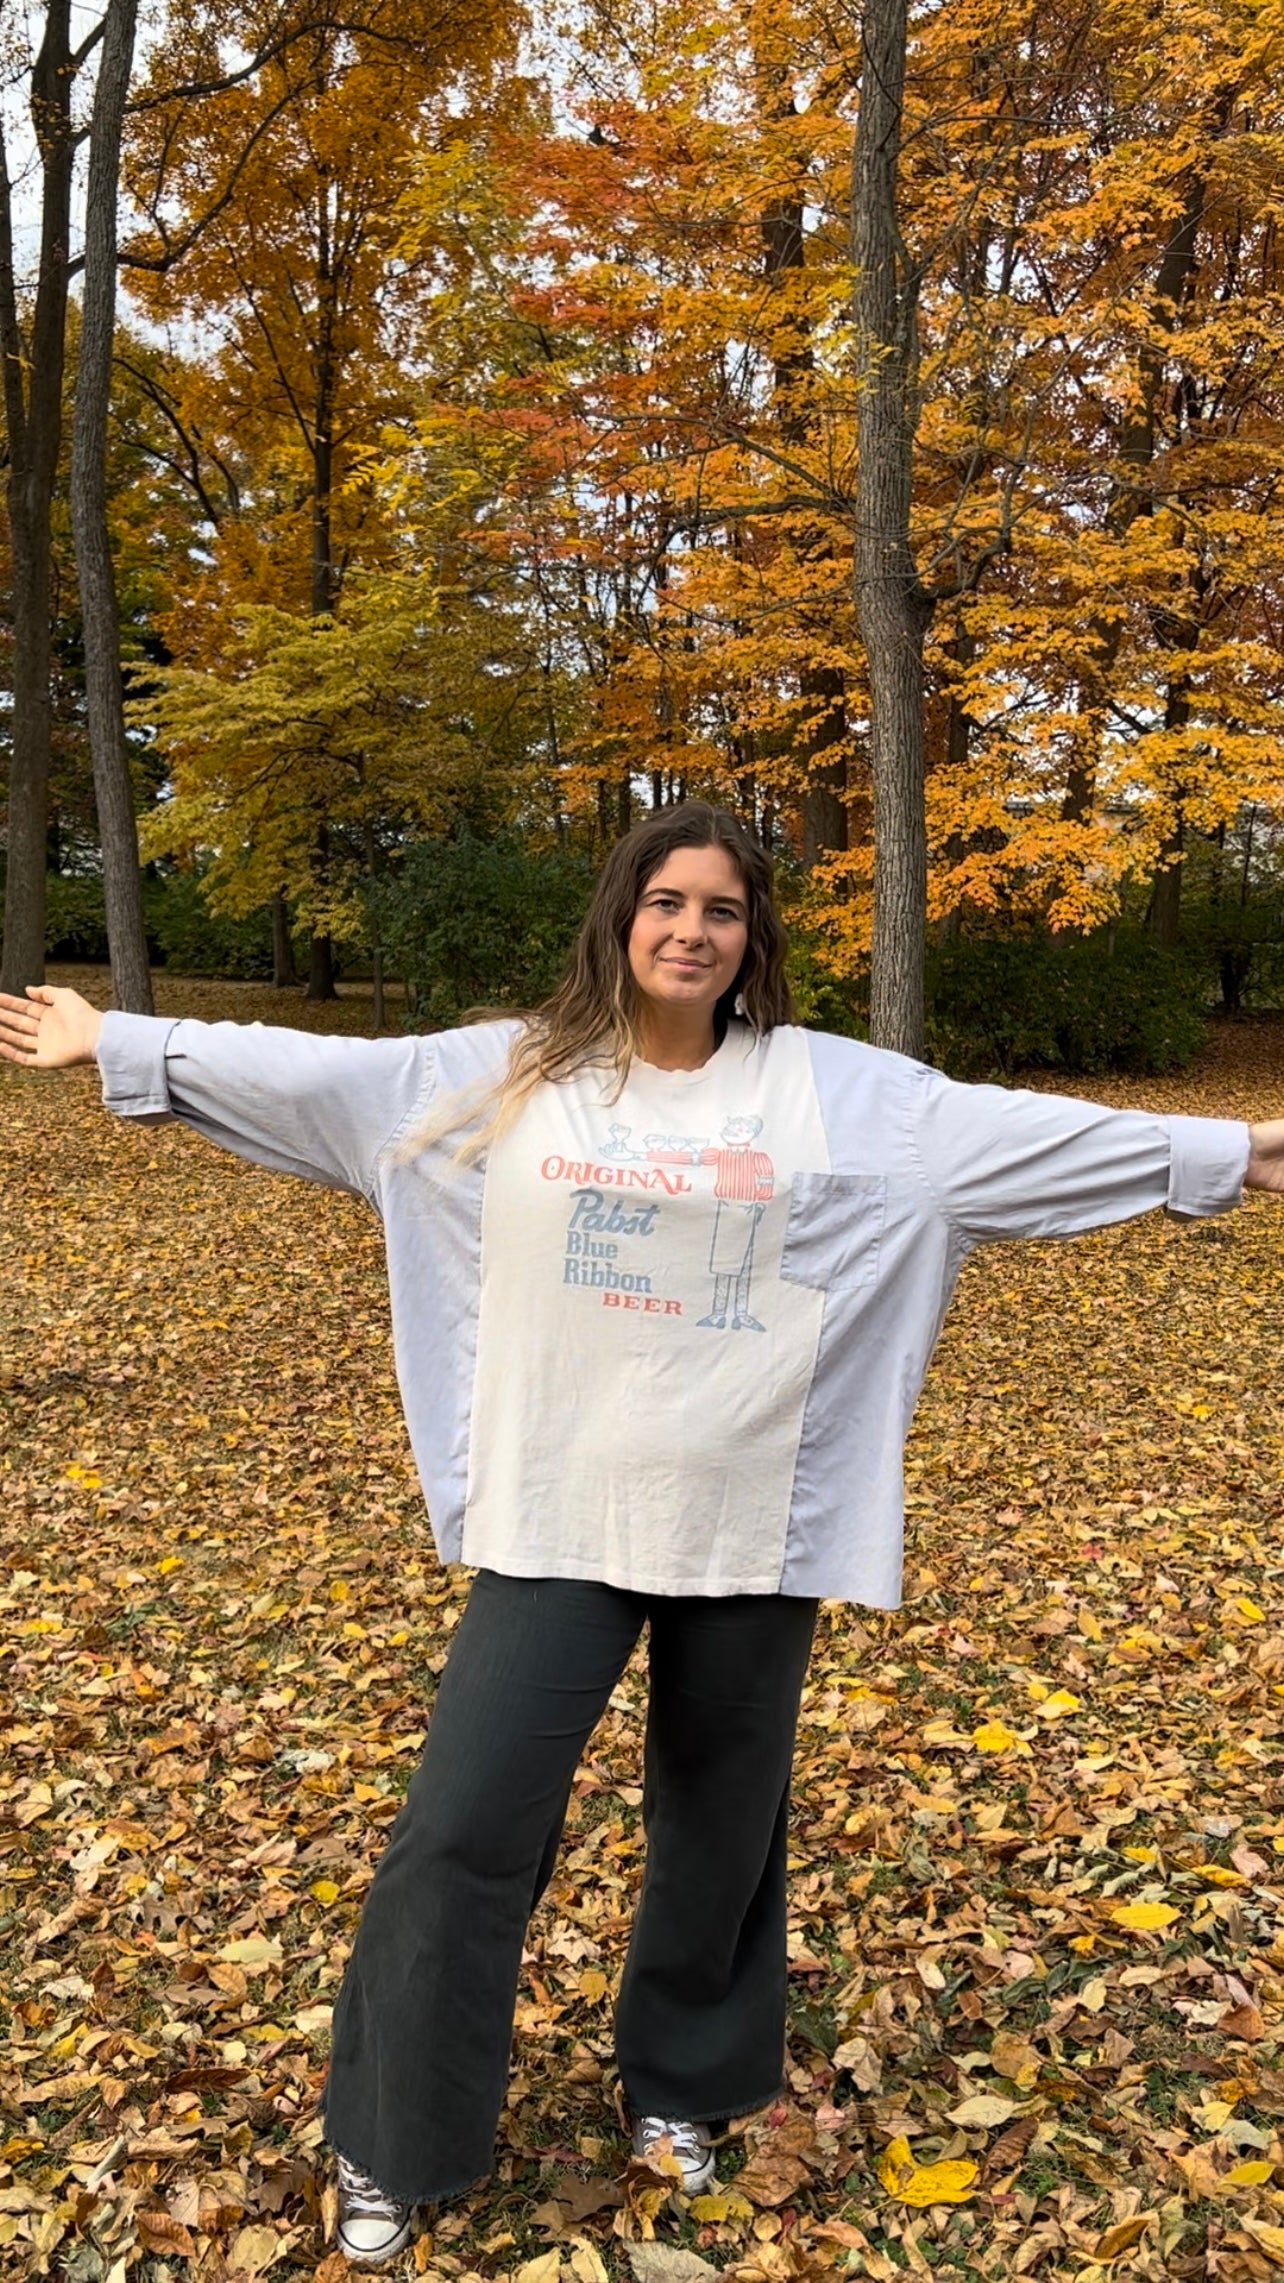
(1254, 2173)
(1143, 1917)
(923, 2184)
(1248, 1610)
(726, 2205)
(1120, 2238)
(593, 1984)
(1061, 1702)
(1217, 1875)
(1213, 2114)
(325, 1891)
(993, 1736)
(1270, 2238)
(1142, 1854)
(171, 1562)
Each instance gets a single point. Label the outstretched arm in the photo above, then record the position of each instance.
(50, 1029)
(1004, 1163)
(326, 1108)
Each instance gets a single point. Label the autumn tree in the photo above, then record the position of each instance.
(292, 274)
(33, 349)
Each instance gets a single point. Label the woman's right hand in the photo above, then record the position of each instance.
(49, 1029)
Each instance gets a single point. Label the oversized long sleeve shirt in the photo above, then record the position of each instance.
(615, 1363)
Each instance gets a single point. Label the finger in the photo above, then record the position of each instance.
(43, 991)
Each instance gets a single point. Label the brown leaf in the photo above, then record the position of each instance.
(160, 2231)
(1244, 2022)
(1008, 2150)
(771, 2177)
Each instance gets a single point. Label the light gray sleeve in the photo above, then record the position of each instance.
(323, 1107)
(1010, 1164)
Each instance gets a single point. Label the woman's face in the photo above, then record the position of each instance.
(690, 931)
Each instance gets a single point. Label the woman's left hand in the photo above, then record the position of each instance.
(1266, 1156)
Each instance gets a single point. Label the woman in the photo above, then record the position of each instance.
(666, 1272)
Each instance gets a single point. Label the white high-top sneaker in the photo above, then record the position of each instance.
(373, 2227)
(690, 2143)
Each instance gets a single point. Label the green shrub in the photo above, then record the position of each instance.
(824, 1001)
(472, 922)
(193, 940)
(75, 917)
(1027, 1000)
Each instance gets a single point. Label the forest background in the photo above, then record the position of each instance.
(480, 453)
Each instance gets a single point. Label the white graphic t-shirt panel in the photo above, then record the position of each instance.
(642, 1365)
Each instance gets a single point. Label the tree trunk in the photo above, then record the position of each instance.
(892, 606)
(822, 688)
(825, 821)
(33, 374)
(283, 971)
(1164, 916)
(104, 688)
(321, 983)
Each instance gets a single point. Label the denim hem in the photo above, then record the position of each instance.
(719, 2115)
(404, 2196)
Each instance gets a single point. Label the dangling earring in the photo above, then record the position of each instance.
(739, 1007)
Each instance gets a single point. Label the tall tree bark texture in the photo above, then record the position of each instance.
(821, 686)
(321, 982)
(33, 361)
(104, 691)
(893, 607)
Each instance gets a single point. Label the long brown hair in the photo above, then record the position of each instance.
(594, 1015)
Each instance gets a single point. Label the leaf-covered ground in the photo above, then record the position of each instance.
(1037, 1930)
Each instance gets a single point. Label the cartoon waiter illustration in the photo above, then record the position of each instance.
(744, 1181)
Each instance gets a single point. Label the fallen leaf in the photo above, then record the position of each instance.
(950, 2182)
(724, 2204)
(1015, 2058)
(1143, 1917)
(253, 1951)
(255, 2248)
(1120, 2238)
(1244, 2021)
(160, 2231)
(1271, 2238)
(667, 2263)
(983, 2109)
(994, 1736)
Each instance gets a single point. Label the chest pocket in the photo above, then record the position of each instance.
(835, 1230)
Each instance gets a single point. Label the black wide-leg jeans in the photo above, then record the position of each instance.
(424, 2020)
